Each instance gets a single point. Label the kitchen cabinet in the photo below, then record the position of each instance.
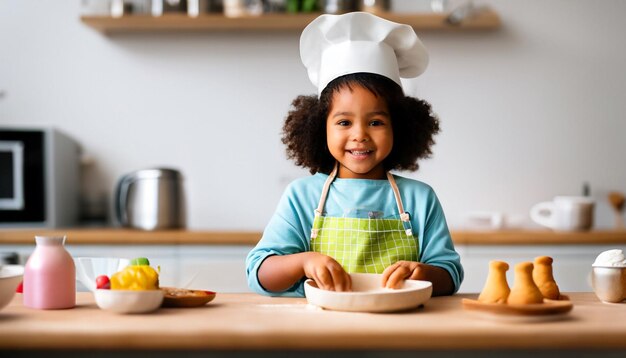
(222, 268)
(219, 268)
(486, 19)
(215, 260)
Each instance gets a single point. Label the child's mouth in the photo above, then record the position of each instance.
(360, 153)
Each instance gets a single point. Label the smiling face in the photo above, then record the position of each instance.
(359, 133)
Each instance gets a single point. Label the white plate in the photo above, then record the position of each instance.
(368, 295)
(129, 301)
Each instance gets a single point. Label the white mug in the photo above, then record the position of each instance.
(565, 213)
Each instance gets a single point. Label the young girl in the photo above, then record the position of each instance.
(352, 215)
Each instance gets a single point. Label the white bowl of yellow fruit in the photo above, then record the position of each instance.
(129, 301)
(134, 289)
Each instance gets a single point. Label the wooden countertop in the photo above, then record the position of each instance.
(118, 236)
(250, 321)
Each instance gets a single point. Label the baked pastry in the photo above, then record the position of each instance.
(496, 288)
(524, 290)
(542, 275)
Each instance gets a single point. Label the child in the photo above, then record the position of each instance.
(358, 128)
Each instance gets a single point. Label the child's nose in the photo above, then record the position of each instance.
(359, 133)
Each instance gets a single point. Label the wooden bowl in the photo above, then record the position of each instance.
(181, 297)
(548, 310)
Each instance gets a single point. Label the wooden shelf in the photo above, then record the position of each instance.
(484, 20)
(119, 236)
(122, 236)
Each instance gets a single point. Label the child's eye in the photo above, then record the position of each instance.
(343, 122)
(377, 122)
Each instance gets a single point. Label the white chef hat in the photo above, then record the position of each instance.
(335, 45)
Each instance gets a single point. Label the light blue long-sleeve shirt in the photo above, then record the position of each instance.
(289, 229)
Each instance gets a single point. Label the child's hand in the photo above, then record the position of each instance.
(394, 275)
(326, 272)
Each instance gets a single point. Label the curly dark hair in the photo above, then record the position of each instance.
(413, 123)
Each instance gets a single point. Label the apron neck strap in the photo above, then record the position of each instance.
(396, 193)
(403, 215)
(331, 177)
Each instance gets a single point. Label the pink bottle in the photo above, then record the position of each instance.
(50, 276)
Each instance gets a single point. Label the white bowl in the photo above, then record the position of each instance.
(129, 301)
(88, 268)
(368, 295)
(609, 283)
(10, 278)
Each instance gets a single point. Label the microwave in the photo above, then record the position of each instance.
(39, 178)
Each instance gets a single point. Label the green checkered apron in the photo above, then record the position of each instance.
(365, 245)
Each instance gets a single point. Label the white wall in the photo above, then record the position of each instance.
(528, 112)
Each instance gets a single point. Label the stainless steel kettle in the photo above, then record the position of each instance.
(150, 199)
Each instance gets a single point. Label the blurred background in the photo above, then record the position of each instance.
(529, 111)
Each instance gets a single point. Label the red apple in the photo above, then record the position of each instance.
(102, 282)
